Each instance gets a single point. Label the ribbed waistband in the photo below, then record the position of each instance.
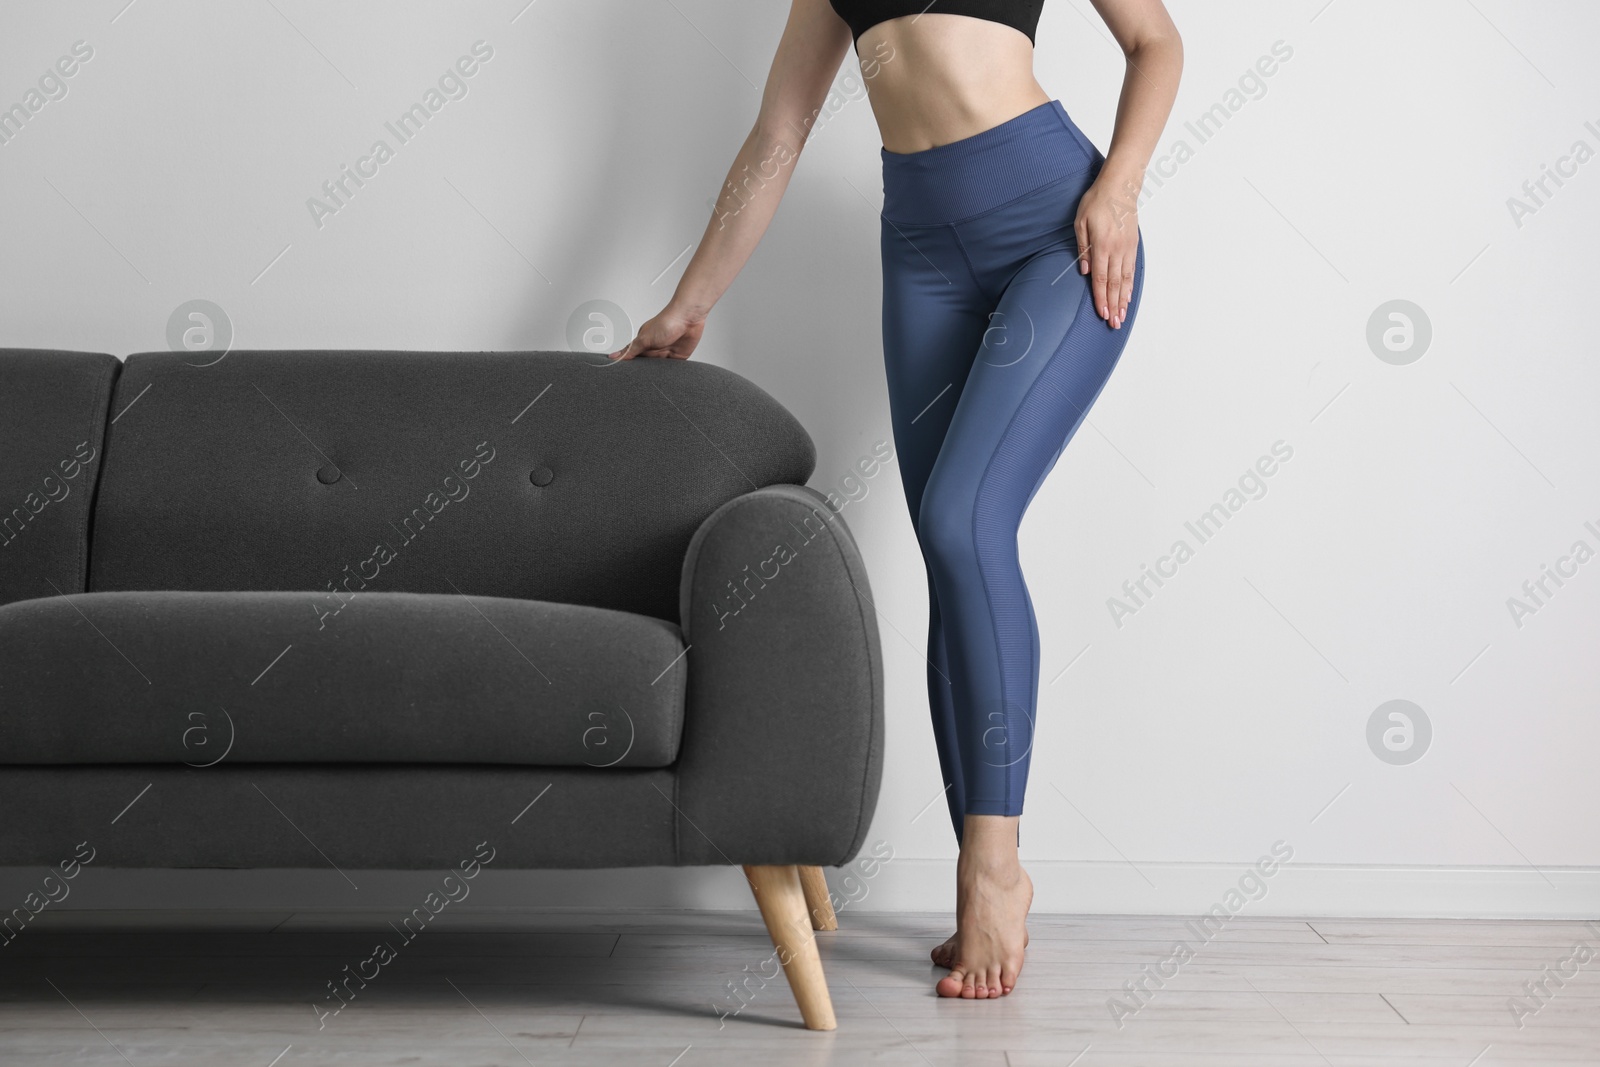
(949, 182)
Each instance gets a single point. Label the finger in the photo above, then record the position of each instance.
(1114, 286)
(1081, 229)
(1098, 282)
(687, 341)
(646, 343)
(1123, 274)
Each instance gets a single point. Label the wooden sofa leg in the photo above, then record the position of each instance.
(783, 908)
(818, 904)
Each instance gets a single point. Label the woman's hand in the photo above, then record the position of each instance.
(673, 333)
(1108, 242)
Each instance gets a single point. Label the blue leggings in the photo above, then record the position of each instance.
(993, 354)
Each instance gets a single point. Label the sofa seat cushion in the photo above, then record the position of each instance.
(276, 677)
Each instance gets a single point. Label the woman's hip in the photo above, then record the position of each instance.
(961, 180)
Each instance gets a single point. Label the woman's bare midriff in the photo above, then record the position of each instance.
(937, 78)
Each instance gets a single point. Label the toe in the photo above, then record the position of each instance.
(969, 984)
(949, 986)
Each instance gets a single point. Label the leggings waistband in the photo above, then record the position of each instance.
(949, 182)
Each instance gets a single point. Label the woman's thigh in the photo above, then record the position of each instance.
(934, 320)
(1041, 364)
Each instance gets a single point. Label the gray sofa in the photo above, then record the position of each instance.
(391, 610)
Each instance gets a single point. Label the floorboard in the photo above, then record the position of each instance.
(507, 987)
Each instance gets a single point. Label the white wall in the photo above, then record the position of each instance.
(1231, 710)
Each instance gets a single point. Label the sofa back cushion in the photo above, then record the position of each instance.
(53, 412)
(537, 475)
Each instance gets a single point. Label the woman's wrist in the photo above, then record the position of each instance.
(1124, 177)
(691, 309)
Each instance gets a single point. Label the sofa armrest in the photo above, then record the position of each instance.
(782, 749)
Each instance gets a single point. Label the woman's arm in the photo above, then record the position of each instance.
(1107, 223)
(813, 45)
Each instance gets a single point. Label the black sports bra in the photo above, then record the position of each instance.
(862, 15)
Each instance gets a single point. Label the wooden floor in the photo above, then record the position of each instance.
(485, 988)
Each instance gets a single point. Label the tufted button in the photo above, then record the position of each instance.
(541, 476)
(328, 474)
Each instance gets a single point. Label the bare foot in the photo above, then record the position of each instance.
(993, 897)
(944, 953)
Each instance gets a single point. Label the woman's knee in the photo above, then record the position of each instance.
(944, 522)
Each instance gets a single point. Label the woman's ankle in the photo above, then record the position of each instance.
(990, 840)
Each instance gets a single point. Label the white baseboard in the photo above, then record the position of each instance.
(910, 885)
(1295, 889)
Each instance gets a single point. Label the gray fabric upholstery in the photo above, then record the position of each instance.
(214, 478)
(355, 816)
(52, 431)
(782, 750)
(191, 677)
(419, 534)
